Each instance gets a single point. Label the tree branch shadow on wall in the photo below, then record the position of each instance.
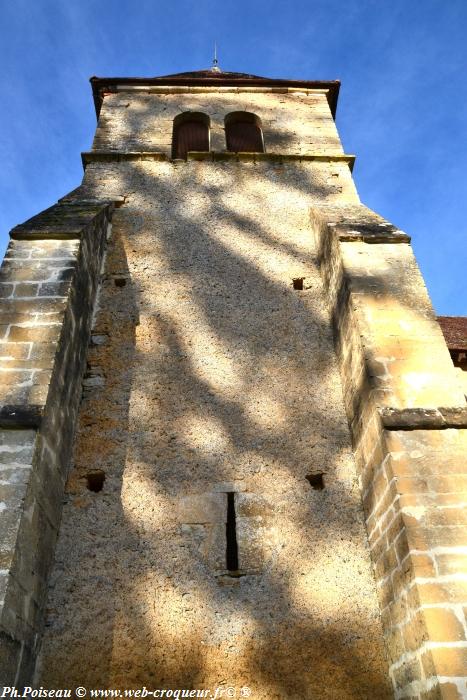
(117, 611)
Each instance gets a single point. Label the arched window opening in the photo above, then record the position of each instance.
(243, 132)
(190, 133)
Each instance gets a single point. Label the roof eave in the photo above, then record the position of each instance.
(101, 85)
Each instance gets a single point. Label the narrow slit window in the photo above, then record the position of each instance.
(231, 536)
(190, 133)
(243, 133)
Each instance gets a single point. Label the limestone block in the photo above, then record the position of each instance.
(40, 380)
(203, 508)
(252, 505)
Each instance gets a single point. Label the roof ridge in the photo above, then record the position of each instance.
(208, 72)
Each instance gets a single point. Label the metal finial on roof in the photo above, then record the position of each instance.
(215, 62)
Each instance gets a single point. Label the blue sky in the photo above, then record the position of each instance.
(402, 107)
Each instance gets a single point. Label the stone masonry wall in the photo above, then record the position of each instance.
(210, 385)
(408, 415)
(48, 283)
(215, 376)
(293, 122)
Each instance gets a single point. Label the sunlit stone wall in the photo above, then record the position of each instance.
(209, 374)
(213, 533)
(408, 416)
(293, 121)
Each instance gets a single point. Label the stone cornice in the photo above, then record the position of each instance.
(424, 418)
(218, 82)
(216, 156)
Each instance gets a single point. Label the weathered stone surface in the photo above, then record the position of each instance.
(298, 123)
(422, 418)
(67, 219)
(43, 353)
(213, 510)
(219, 388)
(407, 412)
(206, 508)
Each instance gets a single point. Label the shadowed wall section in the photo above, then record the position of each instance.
(230, 386)
(49, 280)
(213, 531)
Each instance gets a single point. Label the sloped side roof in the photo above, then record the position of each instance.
(455, 331)
(213, 78)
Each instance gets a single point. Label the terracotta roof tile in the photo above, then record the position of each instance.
(455, 331)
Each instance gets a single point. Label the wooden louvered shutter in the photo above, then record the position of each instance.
(244, 136)
(191, 136)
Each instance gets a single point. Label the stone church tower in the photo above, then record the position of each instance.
(232, 437)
